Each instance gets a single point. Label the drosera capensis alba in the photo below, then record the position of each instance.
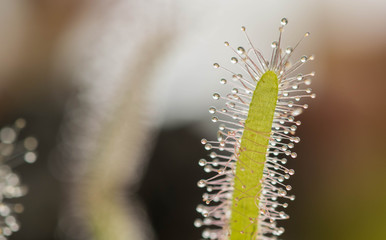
(246, 193)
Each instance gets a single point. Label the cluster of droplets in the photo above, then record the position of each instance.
(13, 152)
(225, 150)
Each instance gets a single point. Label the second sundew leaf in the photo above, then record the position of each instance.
(252, 156)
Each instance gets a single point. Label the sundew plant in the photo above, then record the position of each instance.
(247, 194)
(13, 152)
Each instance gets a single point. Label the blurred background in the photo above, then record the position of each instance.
(117, 93)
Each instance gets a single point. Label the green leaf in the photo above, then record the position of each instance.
(252, 156)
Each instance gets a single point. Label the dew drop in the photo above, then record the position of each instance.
(289, 50)
(201, 184)
(303, 59)
(30, 157)
(243, 28)
(234, 60)
(307, 81)
(296, 112)
(212, 110)
(216, 96)
(216, 65)
(208, 147)
(202, 162)
(284, 21)
(223, 81)
(204, 141)
(226, 44)
(198, 223)
(7, 135)
(274, 44)
(30, 143)
(20, 123)
(282, 192)
(240, 50)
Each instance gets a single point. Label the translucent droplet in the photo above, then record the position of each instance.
(208, 147)
(285, 205)
(212, 110)
(234, 60)
(207, 169)
(291, 172)
(282, 192)
(202, 162)
(313, 95)
(216, 96)
(223, 81)
(307, 81)
(204, 141)
(235, 90)
(198, 223)
(274, 44)
(30, 143)
(296, 112)
(308, 90)
(216, 65)
(284, 21)
(305, 106)
(288, 187)
(7, 149)
(30, 157)
(226, 44)
(7, 135)
(289, 50)
(214, 119)
(303, 59)
(307, 34)
(201, 183)
(20, 123)
(240, 50)
(299, 77)
(243, 28)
